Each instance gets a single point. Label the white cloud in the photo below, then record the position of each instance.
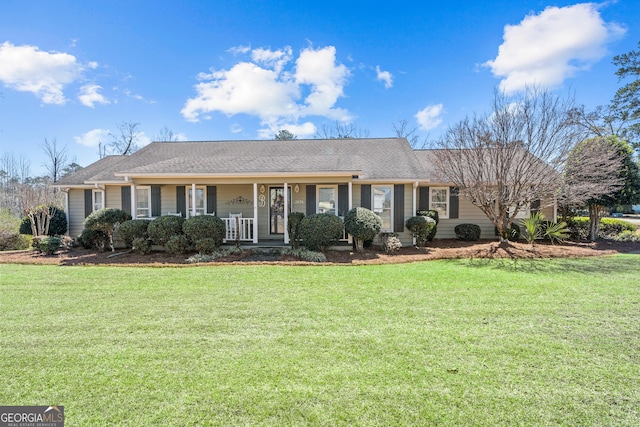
(429, 117)
(304, 130)
(28, 69)
(89, 96)
(93, 138)
(273, 89)
(384, 76)
(238, 50)
(547, 48)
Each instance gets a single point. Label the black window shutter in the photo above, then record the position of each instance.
(343, 199)
(454, 202)
(88, 202)
(423, 199)
(398, 208)
(535, 206)
(125, 196)
(212, 199)
(156, 207)
(365, 196)
(181, 200)
(311, 199)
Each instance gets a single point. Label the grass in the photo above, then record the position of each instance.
(464, 343)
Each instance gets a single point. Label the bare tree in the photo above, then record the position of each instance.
(403, 130)
(166, 135)
(341, 131)
(124, 141)
(592, 171)
(512, 157)
(57, 159)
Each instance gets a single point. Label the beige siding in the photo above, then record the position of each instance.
(113, 197)
(470, 214)
(76, 211)
(168, 199)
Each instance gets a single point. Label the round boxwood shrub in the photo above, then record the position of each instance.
(57, 224)
(177, 244)
(105, 220)
(295, 218)
(163, 228)
(363, 224)
(93, 239)
(319, 231)
(422, 227)
(141, 245)
(467, 232)
(206, 246)
(204, 226)
(48, 245)
(132, 229)
(433, 214)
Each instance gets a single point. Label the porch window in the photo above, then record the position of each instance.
(200, 201)
(143, 202)
(383, 205)
(439, 200)
(98, 199)
(328, 200)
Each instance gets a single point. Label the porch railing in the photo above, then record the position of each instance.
(238, 229)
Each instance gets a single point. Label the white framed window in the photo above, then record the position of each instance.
(143, 202)
(97, 197)
(439, 200)
(201, 207)
(382, 201)
(327, 199)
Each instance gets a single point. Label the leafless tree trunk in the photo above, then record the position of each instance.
(124, 141)
(166, 135)
(57, 159)
(511, 157)
(402, 130)
(342, 131)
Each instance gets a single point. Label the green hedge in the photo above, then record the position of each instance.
(204, 226)
(163, 228)
(609, 227)
(130, 230)
(467, 232)
(319, 231)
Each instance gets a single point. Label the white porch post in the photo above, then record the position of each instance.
(350, 187)
(414, 204)
(286, 214)
(255, 212)
(134, 211)
(104, 191)
(193, 199)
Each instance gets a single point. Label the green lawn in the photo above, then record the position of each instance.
(465, 343)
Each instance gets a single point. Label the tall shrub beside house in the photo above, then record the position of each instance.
(422, 227)
(295, 218)
(362, 224)
(57, 222)
(133, 229)
(320, 231)
(433, 214)
(164, 228)
(105, 221)
(204, 227)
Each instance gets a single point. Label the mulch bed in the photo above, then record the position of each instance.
(440, 249)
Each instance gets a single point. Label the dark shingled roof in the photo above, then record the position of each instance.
(370, 158)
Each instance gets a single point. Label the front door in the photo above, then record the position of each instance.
(276, 209)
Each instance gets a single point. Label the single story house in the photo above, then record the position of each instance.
(248, 184)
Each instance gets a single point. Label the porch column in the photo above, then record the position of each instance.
(414, 204)
(255, 212)
(350, 190)
(193, 199)
(286, 214)
(134, 210)
(104, 195)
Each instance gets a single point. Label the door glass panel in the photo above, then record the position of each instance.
(276, 209)
(327, 200)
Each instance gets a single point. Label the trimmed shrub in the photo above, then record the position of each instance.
(295, 218)
(319, 231)
(92, 239)
(106, 220)
(206, 246)
(204, 226)
(467, 232)
(421, 227)
(12, 241)
(177, 244)
(390, 243)
(609, 227)
(433, 214)
(628, 236)
(132, 229)
(57, 224)
(141, 245)
(48, 245)
(363, 224)
(512, 234)
(163, 228)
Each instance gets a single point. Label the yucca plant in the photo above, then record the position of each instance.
(532, 225)
(557, 232)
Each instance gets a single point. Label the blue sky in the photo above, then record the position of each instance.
(72, 71)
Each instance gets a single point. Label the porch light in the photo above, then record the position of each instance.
(262, 188)
(296, 188)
